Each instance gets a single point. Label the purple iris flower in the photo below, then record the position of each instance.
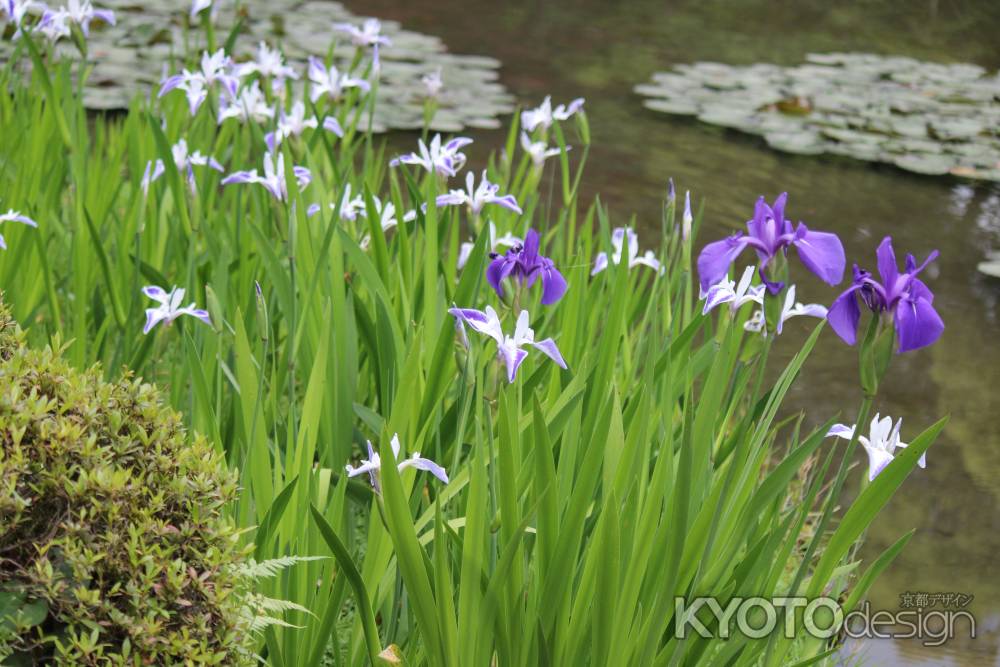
(770, 233)
(523, 263)
(903, 294)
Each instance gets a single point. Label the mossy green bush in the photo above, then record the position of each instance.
(114, 543)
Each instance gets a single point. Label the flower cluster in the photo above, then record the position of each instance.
(56, 24)
(902, 302)
(901, 297)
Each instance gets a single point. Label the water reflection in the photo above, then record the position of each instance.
(600, 49)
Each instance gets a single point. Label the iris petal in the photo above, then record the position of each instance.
(822, 253)
(716, 258)
(845, 314)
(917, 324)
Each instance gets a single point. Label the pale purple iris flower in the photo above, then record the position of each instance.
(215, 68)
(432, 83)
(14, 216)
(16, 10)
(198, 6)
(791, 308)
(54, 24)
(476, 197)
(634, 259)
(387, 214)
(770, 233)
(524, 264)
(193, 87)
(545, 115)
(538, 151)
(373, 464)
(445, 159)
(273, 178)
(735, 294)
(269, 63)
(170, 307)
(184, 162)
(687, 219)
(82, 12)
(903, 295)
(882, 441)
(508, 240)
(330, 81)
(347, 209)
(249, 105)
(387, 218)
(510, 348)
(295, 123)
(369, 33)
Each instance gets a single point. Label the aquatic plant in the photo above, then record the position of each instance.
(924, 117)
(651, 460)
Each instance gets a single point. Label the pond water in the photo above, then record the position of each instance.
(599, 50)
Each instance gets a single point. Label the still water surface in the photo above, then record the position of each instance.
(599, 49)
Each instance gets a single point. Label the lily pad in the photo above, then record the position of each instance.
(924, 163)
(928, 118)
(800, 143)
(128, 58)
(991, 268)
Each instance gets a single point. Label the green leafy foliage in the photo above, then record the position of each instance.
(116, 544)
(580, 502)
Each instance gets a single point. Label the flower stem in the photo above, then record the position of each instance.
(863, 413)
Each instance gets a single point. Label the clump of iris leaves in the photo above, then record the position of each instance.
(580, 501)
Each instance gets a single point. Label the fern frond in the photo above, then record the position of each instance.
(265, 603)
(269, 568)
(260, 623)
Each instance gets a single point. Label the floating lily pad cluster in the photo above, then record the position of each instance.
(924, 117)
(130, 57)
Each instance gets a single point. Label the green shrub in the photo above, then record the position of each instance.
(114, 544)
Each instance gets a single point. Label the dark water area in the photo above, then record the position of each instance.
(599, 50)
